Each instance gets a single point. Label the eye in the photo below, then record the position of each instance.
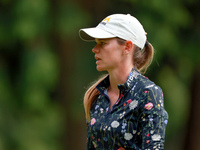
(102, 43)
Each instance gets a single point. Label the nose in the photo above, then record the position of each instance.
(95, 49)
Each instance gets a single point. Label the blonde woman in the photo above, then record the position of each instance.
(124, 110)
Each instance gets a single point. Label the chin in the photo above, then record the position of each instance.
(100, 68)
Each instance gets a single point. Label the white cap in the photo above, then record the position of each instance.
(123, 26)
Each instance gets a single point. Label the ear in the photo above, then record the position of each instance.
(129, 46)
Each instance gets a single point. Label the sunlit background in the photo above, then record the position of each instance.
(45, 68)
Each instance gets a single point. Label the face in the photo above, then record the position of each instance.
(108, 54)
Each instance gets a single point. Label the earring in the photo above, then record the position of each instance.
(125, 52)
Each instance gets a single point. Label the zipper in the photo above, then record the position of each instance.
(119, 98)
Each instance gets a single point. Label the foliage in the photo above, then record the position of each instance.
(32, 60)
(28, 74)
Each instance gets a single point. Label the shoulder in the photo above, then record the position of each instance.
(144, 84)
(150, 99)
(148, 91)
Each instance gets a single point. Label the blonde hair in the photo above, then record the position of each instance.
(90, 95)
(142, 60)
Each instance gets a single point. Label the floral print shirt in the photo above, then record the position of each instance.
(137, 121)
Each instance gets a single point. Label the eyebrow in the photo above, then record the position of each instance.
(100, 40)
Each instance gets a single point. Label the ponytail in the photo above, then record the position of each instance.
(89, 97)
(143, 58)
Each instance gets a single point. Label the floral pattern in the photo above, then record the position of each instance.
(115, 124)
(92, 122)
(137, 121)
(148, 106)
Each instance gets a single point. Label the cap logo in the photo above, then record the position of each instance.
(107, 19)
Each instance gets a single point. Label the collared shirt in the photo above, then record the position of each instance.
(136, 121)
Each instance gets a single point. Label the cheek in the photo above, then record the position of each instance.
(112, 53)
(116, 54)
(114, 59)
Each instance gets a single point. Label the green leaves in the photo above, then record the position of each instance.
(38, 38)
(70, 18)
(31, 19)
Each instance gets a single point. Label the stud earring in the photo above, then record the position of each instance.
(125, 52)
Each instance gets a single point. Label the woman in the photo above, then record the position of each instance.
(124, 109)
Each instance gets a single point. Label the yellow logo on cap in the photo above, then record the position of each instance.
(107, 19)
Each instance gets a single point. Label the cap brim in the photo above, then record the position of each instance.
(90, 34)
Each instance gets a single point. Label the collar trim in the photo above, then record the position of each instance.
(130, 82)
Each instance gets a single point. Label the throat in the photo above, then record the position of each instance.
(113, 96)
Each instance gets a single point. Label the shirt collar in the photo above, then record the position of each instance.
(130, 82)
(103, 85)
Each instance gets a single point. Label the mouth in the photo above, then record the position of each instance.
(97, 58)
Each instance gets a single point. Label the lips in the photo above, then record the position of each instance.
(98, 59)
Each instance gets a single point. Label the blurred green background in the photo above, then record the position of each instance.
(45, 68)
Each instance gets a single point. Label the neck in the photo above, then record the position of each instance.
(119, 76)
